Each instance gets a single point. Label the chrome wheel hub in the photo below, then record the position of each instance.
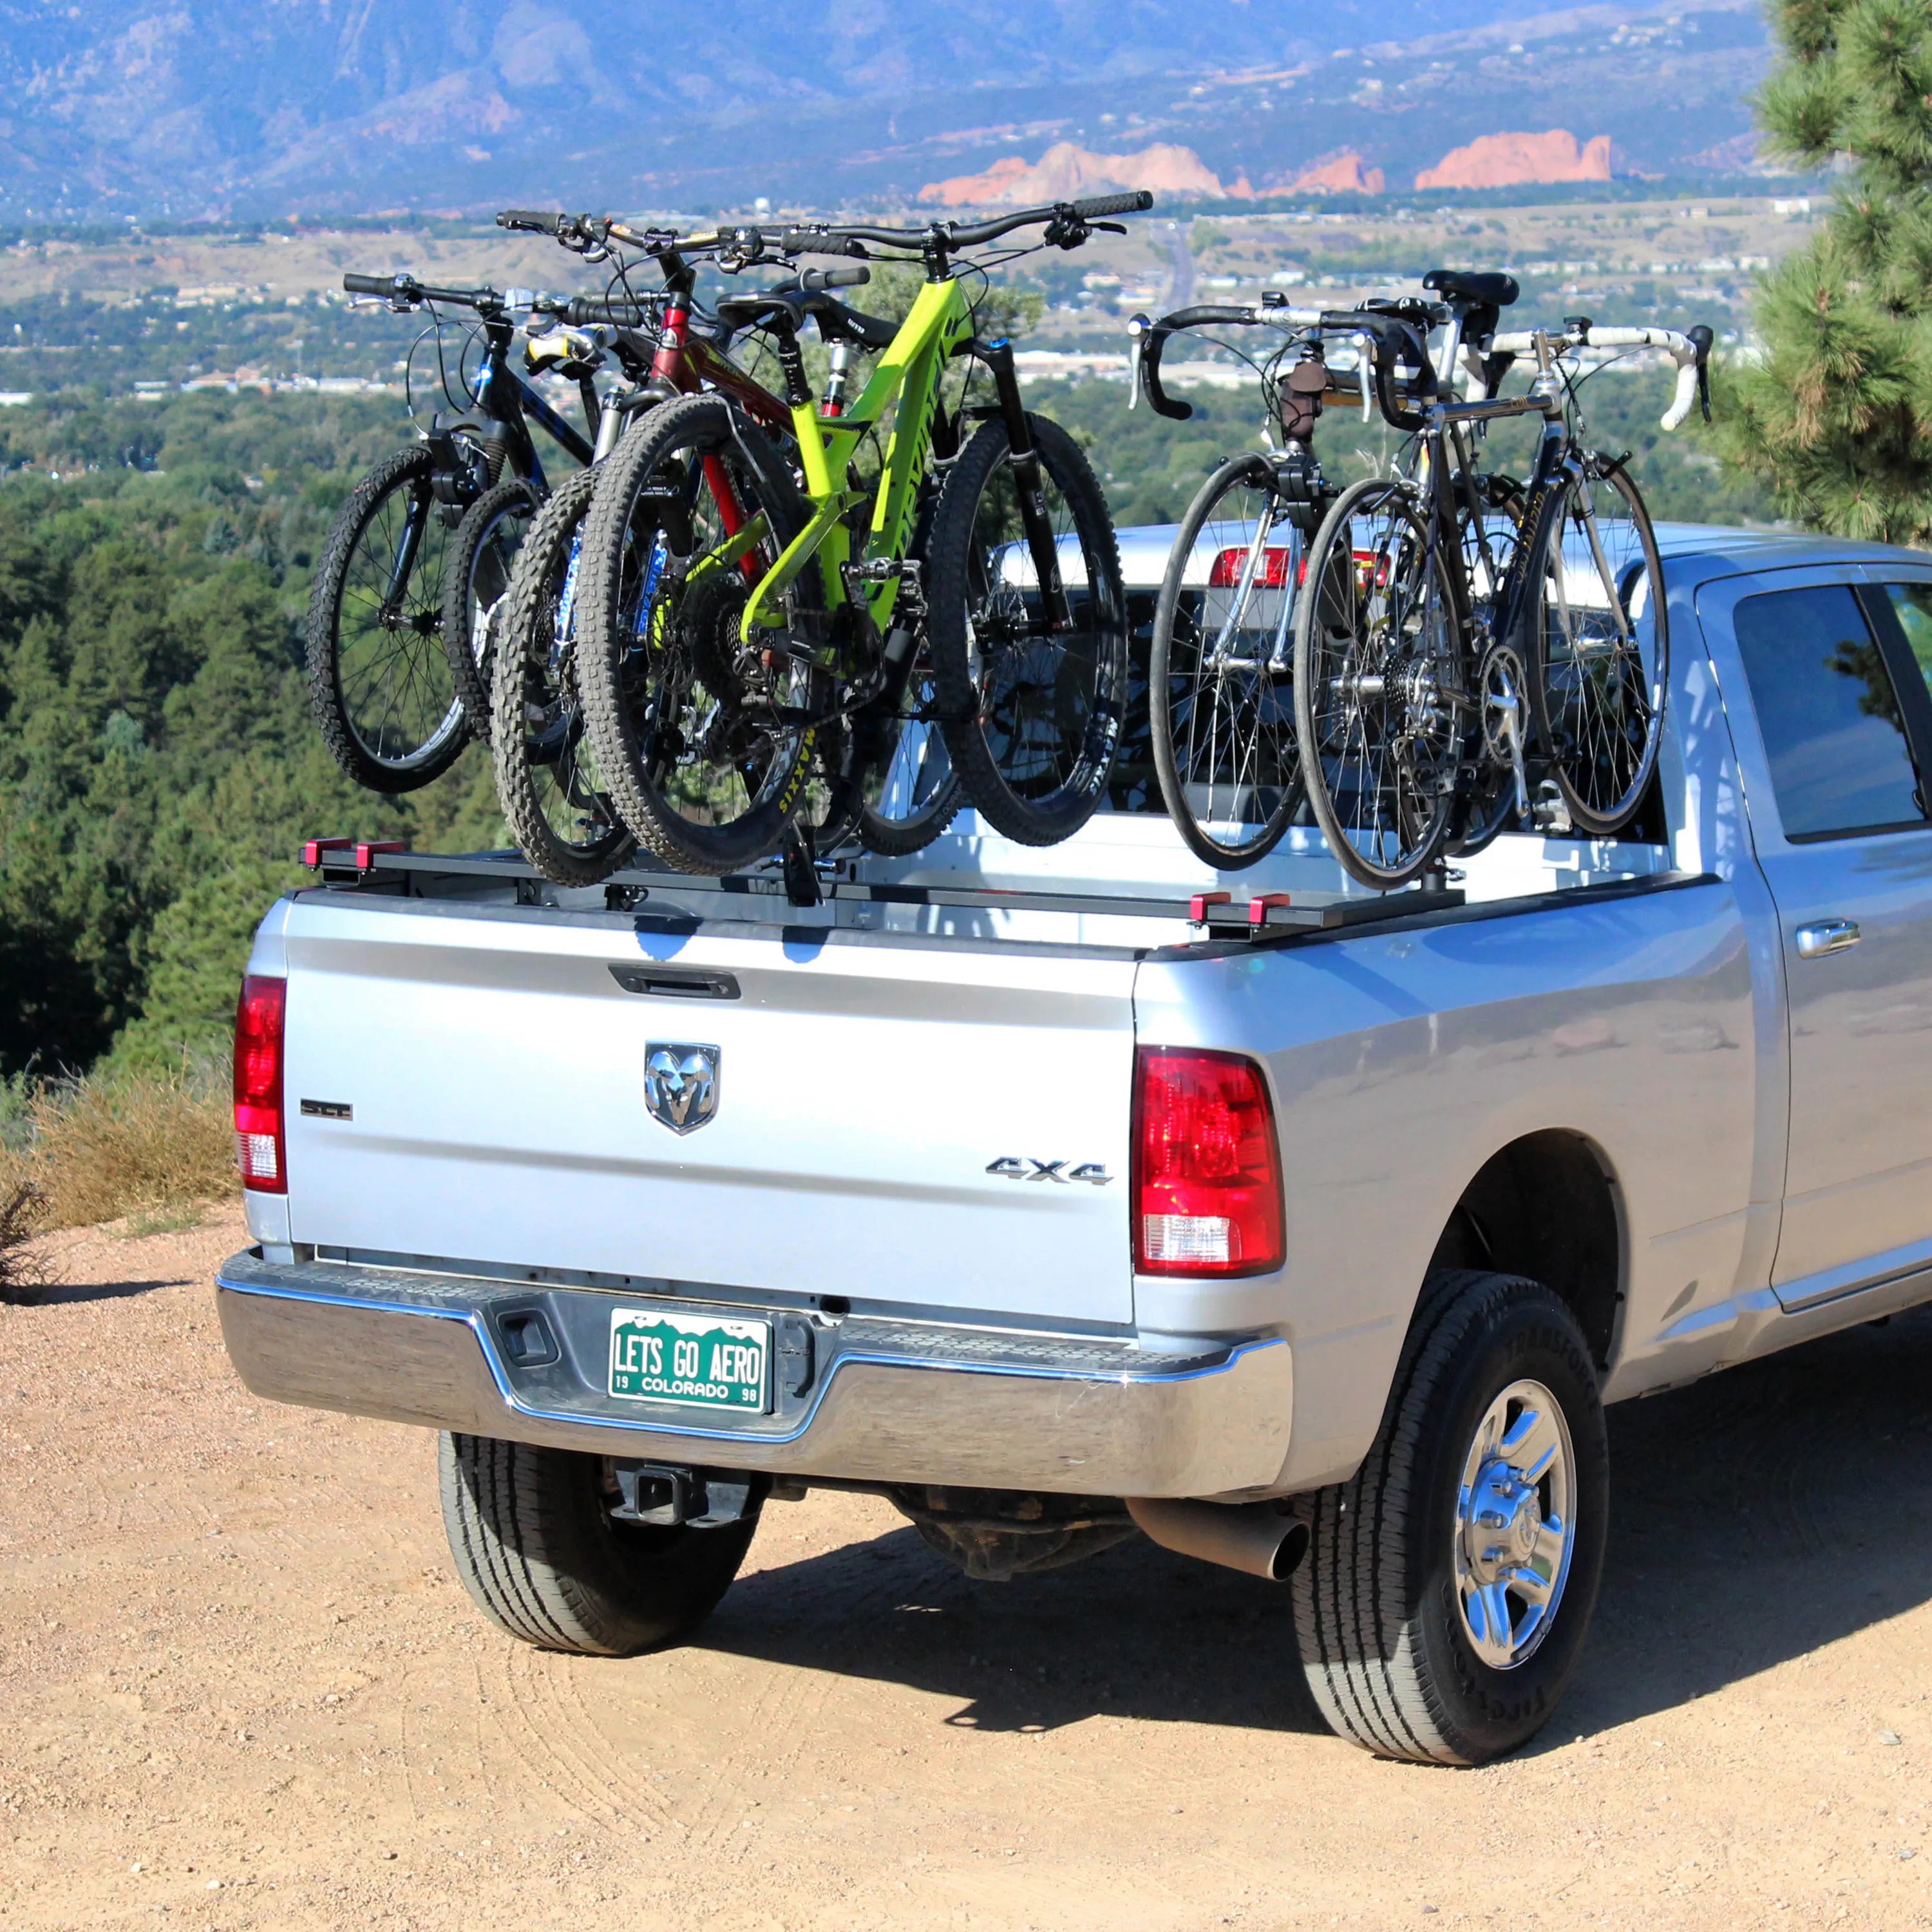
(1513, 1528)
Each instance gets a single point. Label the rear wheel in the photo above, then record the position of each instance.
(379, 679)
(1033, 717)
(481, 561)
(1600, 667)
(1448, 1586)
(555, 798)
(1220, 675)
(531, 1533)
(1378, 666)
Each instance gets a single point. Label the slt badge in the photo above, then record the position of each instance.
(681, 1084)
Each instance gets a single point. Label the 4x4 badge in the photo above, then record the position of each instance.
(681, 1084)
(1011, 1167)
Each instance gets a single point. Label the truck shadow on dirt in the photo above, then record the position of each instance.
(1756, 1515)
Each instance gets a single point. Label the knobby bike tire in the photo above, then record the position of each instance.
(1329, 652)
(1587, 702)
(543, 772)
(419, 729)
(1180, 635)
(634, 708)
(477, 580)
(1034, 777)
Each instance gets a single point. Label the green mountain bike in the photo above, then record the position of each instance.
(753, 636)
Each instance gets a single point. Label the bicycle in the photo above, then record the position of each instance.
(728, 629)
(553, 795)
(393, 679)
(1441, 688)
(1221, 708)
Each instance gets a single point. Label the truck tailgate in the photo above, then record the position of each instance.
(492, 1067)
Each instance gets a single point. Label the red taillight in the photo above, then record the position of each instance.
(1270, 569)
(1207, 1175)
(260, 1146)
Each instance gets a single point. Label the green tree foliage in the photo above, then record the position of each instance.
(158, 767)
(1837, 419)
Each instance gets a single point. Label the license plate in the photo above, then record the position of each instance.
(703, 1361)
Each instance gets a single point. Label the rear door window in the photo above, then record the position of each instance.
(1824, 682)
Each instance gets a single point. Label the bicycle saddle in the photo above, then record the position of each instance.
(1489, 289)
(793, 305)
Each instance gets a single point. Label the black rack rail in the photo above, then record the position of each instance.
(382, 864)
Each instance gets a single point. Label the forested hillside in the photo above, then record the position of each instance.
(157, 767)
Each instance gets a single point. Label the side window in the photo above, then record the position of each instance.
(1833, 727)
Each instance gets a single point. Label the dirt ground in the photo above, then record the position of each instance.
(239, 1687)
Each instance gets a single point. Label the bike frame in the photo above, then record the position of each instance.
(938, 327)
(507, 400)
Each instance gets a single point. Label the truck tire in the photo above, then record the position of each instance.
(535, 1545)
(1439, 1613)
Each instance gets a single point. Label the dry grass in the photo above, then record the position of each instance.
(23, 1270)
(126, 1143)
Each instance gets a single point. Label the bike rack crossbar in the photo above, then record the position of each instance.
(354, 864)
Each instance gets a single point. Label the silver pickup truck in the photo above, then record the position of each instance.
(1061, 1195)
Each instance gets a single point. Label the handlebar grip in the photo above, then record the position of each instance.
(531, 220)
(1685, 399)
(1137, 201)
(819, 242)
(372, 285)
(582, 311)
(812, 281)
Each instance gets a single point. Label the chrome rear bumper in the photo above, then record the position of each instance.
(888, 1401)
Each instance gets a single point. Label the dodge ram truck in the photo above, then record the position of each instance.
(1063, 1195)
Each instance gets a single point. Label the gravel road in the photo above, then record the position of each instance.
(239, 1687)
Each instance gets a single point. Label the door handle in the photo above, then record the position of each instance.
(1826, 935)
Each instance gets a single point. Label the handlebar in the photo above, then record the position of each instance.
(404, 291)
(1690, 349)
(1392, 337)
(1070, 217)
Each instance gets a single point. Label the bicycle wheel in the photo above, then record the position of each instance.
(1032, 719)
(1220, 687)
(379, 680)
(555, 801)
(1377, 669)
(1599, 647)
(481, 560)
(1487, 802)
(704, 740)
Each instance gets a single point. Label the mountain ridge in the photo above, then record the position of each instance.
(188, 108)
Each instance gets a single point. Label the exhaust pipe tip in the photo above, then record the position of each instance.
(1258, 1539)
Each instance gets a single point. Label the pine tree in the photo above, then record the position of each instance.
(1837, 418)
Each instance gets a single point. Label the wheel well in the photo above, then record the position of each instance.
(1545, 1207)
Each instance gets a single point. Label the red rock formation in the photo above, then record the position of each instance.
(1065, 172)
(1501, 160)
(1339, 173)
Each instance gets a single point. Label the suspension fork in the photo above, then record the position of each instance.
(1030, 485)
(408, 546)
